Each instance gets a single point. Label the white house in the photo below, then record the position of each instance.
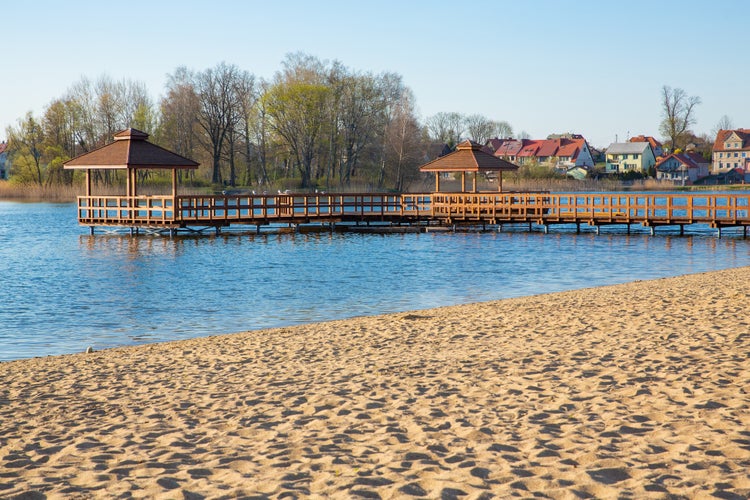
(682, 168)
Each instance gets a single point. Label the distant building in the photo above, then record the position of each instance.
(656, 146)
(625, 157)
(4, 163)
(682, 168)
(562, 153)
(731, 151)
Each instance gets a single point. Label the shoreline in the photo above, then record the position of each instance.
(640, 387)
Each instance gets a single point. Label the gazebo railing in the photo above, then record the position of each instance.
(156, 210)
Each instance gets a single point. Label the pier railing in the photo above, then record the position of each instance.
(249, 209)
(714, 209)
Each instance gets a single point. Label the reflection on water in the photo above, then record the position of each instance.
(64, 290)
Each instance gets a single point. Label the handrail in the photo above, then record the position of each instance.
(542, 208)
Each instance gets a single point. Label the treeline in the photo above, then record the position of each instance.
(313, 125)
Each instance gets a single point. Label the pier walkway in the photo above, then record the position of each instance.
(420, 210)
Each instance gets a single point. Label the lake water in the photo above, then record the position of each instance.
(62, 290)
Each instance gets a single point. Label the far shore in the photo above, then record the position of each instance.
(69, 193)
(637, 390)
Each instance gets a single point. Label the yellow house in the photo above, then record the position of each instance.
(629, 156)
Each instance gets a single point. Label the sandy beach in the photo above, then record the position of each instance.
(630, 391)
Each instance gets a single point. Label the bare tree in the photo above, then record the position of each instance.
(678, 110)
(216, 112)
(447, 128)
(504, 129)
(403, 142)
(179, 113)
(246, 95)
(724, 123)
(480, 128)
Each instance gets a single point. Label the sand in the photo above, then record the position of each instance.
(630, 391)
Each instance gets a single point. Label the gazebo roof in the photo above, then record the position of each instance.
(130, 150)
(468, 157)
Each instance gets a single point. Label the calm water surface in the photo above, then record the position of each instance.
(62, 290)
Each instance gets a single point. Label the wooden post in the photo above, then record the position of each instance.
(500, 181)
(88, 182)
(474, 182)
(463, 182)
(437, 182)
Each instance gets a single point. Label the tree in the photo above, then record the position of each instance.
(678, 110)
(447, 128)
(217, 110)
(403, 142)
(26, 144)
(179, 115)
(246, 95)
(297, 111)
(504, 129)
(481, 129)
(724, 123)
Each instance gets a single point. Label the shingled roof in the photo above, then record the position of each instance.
(468, 157)
(130, 150)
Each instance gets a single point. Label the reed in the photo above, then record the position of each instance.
(33, 192)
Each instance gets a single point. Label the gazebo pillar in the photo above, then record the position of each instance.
(500, 181)
(88, 182)
(174, 183)
(463, 182)
(474, 183)
(437, 182)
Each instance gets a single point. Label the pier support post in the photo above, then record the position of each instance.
(719, 232)
(546, 228)
(578, 228)
(218, 230)
(172, 232)
(744, 232)
(91, 230)
(598, 230)
(257, 229)
(682, 229)
(628, 226)
(653, 230)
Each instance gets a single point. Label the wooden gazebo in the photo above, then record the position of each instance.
(131, 151)
(468, 158)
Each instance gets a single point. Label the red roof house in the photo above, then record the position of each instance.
(561, 152)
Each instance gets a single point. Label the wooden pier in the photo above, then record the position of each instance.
(131, 152)
(424, 210)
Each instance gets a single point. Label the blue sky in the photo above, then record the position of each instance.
(589, 67)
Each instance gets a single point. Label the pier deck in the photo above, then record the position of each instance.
(437, 209)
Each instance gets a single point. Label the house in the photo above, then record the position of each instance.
(682, 168)
(656, 146)
(562, 153)
(4, 163)
(731, 151)
(629, 156)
